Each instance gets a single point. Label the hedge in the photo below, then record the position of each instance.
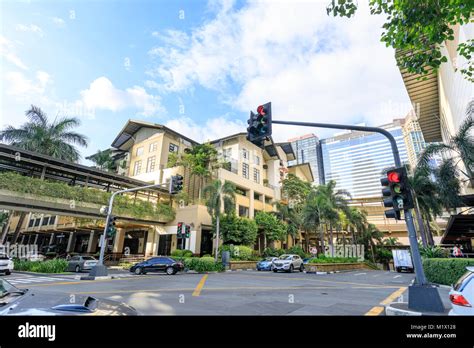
(445, 271)
(333, 260)
(202, 264)
(49, 266)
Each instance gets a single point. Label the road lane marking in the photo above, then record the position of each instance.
(379, 309)
(358, 274)
(397, 276)
(393, 296)
(375, 311)
(200, 285)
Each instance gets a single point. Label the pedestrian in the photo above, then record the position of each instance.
(457, 252)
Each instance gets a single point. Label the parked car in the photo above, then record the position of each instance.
(462, 294)
(16, 301)
(266, 264)
(158, 264)
(80, 263)
(288, 263)
(6, 264)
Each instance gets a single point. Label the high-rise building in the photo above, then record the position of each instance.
(356, 160)
(307, 150)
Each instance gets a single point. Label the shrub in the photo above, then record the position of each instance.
(244, 253)
(237, 230)
(445, 271)
(296, 249)
(326, 259)
(272, 252)
(181, 253)
(433, 252)
(49, 266)
(203, 264)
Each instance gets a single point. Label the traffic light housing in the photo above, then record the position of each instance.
(397, 192)
(180, 229)
(111, 229)
(187, 231)
(176, 184)
(260, 124)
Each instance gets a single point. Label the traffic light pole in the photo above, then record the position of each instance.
(100, 270)
(421, 295)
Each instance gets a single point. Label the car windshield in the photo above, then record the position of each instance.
(6, 288)
(285, 257)
(268, 259)
(461, 280)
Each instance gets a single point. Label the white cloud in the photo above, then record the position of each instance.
(7, 52)
(214, 128)
(311, 66)
(58, 21)
(22, 87)
(33, 28)
(102, 94)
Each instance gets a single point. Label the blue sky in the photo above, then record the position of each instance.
(196, 66)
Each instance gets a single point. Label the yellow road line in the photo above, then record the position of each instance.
(379, 309)
(200, 285)
(375, 311)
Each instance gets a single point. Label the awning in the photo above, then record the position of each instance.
(460, 228)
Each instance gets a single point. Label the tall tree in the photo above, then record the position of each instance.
(56, 139)
(103, 160)
(419, 28)
(316, 210)
(220, 195)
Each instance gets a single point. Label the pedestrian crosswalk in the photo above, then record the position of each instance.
(25, 279)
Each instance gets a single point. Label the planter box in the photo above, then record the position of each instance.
(332, 267)
(233, 265)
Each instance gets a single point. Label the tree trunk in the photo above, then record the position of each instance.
(331, 242)
(429, 233)
(16, 234)
(3, 236)
(321, 237)
(421, 227)
(353, 235)
(217, 237)
(306, 240)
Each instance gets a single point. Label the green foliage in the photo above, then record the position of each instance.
(326, 259)
(123, 205)
(48, 266)
(272, 252)
(432, 252)
(182, 253)
(295, 189)
(240, 252)
(237, 230)
(218, 192)
(296, 249)
(418, 30)
(445, 271)
(272, 227)
(203, 264)
(200, 159)
(382, 254)
(104, 160)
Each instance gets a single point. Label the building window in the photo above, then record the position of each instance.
(245, 154)
(227, 152)
(45, 221)
(139, 151)
(173, 148)
(256, 160)
(256, 196)
(150, 164)
(256, 175)
(37, 222)
(31, 222)
(153, 147)
(137, 168)
(245, 170)
(52, 220)
(241, 191)
(243, 211)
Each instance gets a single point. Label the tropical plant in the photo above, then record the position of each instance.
(4, 216)
(219, 195)
(316, 212)
(370, 236)
(420, 27)
(104, 160)
(356, 221)
(237, 230)
(391, 241)
(273, 229)
(432, 252)
(200, 159)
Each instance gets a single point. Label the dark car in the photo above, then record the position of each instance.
(158, 264)
(15, 301)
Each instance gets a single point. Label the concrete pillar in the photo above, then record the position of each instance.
(51, 239)
(22, 239)
(71, 241)
(150, 242)
(263, 201)
(118, 243)
(90, 245)
(251, 207)
(36, 239)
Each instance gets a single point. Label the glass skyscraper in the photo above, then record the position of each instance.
(307, 150)
(356, 160)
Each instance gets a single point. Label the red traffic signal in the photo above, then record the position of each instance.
(393, 177)
(261, 110)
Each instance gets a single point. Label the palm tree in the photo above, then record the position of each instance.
(367, 237)
(103, 160)
(462, 144)
(315, 213)
(357, 221)
(55, 139)
(219, 193)
(4, 218)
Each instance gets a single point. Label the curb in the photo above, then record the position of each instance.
(42, 274)
(392, 311)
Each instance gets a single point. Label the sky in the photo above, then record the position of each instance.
(197, 66)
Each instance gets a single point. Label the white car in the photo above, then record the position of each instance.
(288, 263)
(6, 264)
(462, 294)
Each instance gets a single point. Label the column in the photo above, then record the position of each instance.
(118, 242)
(90, 245)
(70, 243)
(251, 205)
(51, 239)
(263, 201)
(36, 239)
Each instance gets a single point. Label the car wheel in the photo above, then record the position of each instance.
(301, 268)
(275, 270)
(7, 272)
(77, 269)
(398, 270)
(170, 271)
(138, 271)
(291, 269)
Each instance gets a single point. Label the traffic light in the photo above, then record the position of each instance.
(397, 191)
(260, 124)
(187, 230)
(176, 184)
(111, 230)
(180, 229)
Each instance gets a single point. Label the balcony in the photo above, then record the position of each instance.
(231, 166)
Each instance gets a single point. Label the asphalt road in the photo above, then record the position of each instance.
(238, 293)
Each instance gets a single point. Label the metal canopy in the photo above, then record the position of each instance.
(460, 228)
